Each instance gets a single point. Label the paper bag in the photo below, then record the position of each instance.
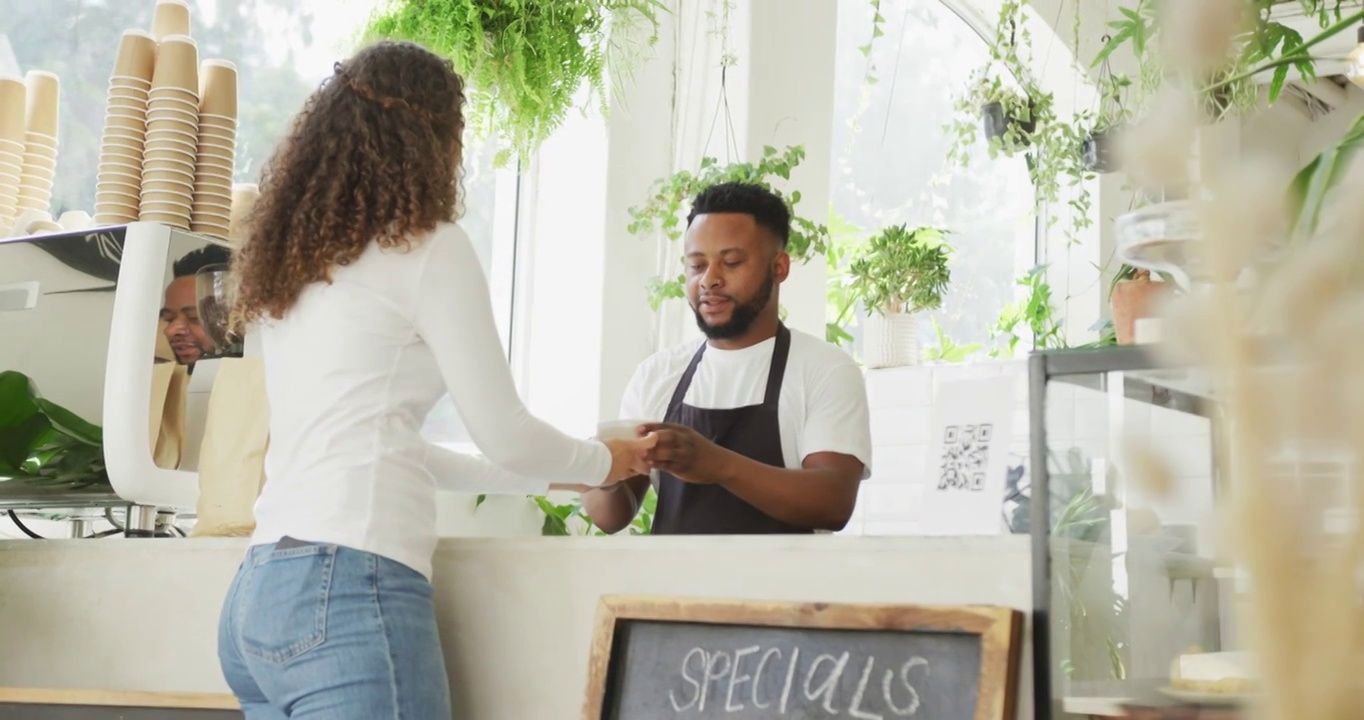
(232, 457)
(166, 414)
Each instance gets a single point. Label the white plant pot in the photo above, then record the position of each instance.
(891, 340)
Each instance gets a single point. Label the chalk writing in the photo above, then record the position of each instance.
(780, 679)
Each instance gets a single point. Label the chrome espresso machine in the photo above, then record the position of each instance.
(92, 321)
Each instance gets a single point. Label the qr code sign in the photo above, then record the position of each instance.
(965, 457)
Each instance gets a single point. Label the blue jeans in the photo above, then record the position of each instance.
(325, 632)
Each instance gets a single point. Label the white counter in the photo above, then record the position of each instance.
(516, 613)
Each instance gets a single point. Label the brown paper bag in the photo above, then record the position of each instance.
(166, 416)
(232, 457)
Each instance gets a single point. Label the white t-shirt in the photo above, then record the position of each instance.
(823, 403)
(351, 372)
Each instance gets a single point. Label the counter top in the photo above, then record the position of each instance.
(836, 543)
(141, 615)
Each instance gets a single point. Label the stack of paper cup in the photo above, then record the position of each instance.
(243, 202)
(172, 134)
(170, 18)
(212, 211)
(119, 189)
(40, 141)
(13, 97)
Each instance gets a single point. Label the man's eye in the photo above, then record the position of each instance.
(734, 264)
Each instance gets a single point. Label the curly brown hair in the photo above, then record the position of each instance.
(373, 157)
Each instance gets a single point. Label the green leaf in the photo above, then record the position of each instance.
(1114, 42)
(17, 398)
(554, 526)
(1277, 82)
(71, 424)
(21, 441)
(1310, 187)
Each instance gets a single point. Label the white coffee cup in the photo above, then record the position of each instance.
(619, 429)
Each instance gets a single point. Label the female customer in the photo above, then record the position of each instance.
(371, 305)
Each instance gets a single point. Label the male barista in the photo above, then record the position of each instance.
(180, 309)
(761, 429)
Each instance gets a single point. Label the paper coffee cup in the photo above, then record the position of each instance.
(619, 429)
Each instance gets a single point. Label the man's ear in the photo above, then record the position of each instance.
(781, 266)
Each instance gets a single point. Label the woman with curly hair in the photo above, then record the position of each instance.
(370, 304)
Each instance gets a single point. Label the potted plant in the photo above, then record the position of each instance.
(670, 197)
(1133, 296)
(898, 273)
(524, 62)
(1099, 152)
(1007, 108)
(1006, 116)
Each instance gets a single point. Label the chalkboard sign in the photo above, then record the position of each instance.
(44, 704)
(655, 658)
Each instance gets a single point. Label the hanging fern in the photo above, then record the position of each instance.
(523, 60)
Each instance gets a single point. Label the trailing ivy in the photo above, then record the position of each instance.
(524, 60)
(1026, 121)
(670, 197)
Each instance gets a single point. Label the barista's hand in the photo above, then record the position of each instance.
(683, 453)
(627, 457)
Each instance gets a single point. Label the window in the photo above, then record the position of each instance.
(283, 49)
(890, 158)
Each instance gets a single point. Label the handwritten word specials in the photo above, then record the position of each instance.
(779, 680)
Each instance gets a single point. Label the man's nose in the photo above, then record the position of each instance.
(711, 278)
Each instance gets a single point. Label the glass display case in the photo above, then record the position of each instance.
(1125, 579)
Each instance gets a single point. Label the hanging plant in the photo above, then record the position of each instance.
(523, 60)
(1006, 117)
(670, 198)
(1004, 106)
(1099, 152)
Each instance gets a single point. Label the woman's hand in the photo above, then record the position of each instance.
(626, 460)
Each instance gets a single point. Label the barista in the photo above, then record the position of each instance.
(761, 429)
(180, 309)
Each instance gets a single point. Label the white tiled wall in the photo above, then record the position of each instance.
(901, 401)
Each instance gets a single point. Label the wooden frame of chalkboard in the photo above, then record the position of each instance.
(630, 649)
(74, 704)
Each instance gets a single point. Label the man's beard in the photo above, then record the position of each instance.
(743, 315)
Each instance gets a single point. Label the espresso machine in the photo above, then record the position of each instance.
(84, 313)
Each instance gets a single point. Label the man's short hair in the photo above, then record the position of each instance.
(756, 201)
(197, 260)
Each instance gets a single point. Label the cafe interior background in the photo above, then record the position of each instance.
(990, 128)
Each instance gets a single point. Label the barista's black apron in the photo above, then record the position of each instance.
(754, 432)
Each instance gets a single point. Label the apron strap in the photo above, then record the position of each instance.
(777, 372)
(680, 392)
(780, 350)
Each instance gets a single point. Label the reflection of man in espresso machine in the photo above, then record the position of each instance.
(180, 310)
